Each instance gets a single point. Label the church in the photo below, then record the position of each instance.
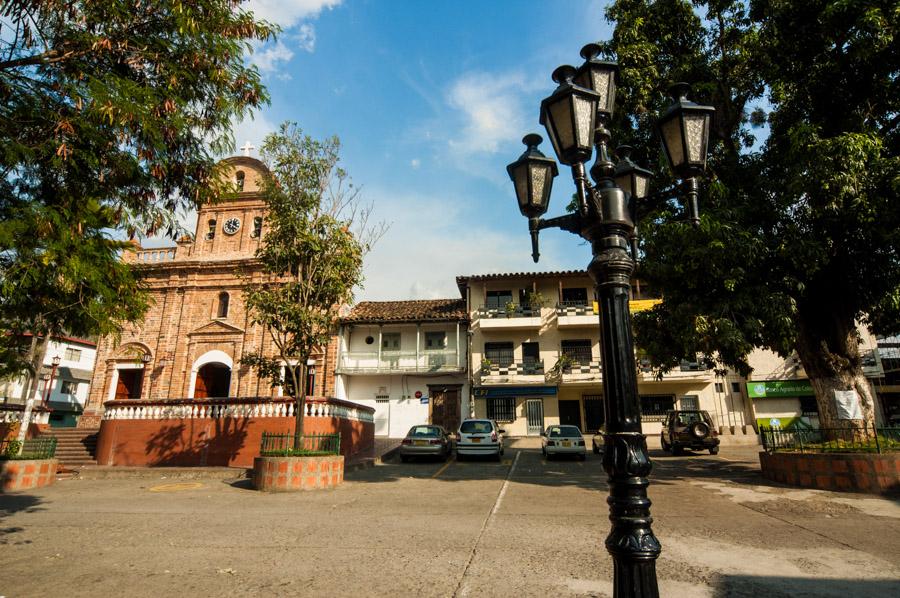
(187, 350)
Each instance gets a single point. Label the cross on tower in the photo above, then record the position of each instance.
(247, 148)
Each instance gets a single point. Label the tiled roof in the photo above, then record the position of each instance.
(408, 311)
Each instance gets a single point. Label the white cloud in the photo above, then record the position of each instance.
(491, 111)
(306, 37)
(288, 13)
(268, 58)
(432, 240)
(415, 162)
(252, 129)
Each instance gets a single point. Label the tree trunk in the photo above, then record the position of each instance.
(36, 354)
(300, 400)
(836, 366)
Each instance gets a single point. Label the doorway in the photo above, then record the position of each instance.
(534, 415)
(593, 412)
(570, 413)
(213, 381)
(129, 384)
(445, 407)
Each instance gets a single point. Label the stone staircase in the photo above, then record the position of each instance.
(75, 446)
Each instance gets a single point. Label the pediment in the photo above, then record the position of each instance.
(216, 327)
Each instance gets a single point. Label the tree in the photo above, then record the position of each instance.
(311, 256)
(799, 238)
(111, 115)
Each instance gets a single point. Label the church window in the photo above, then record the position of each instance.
(222, 311)
(239, 180)
(211, 230)
(257, 227)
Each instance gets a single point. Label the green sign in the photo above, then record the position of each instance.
(773, 389)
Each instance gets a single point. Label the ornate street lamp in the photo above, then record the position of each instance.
(533, 174)
(606, 220)
(145, 359)
(684, 130)
(49, 381)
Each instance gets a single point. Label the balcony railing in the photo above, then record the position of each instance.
(515, 310)
(574, 308)
(14, 413)
(233, 407)
(529, 367)
(400, 361)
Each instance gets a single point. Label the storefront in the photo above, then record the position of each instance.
(783, 404)
(520, 410)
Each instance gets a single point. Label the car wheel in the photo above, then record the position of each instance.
(499, 456)
(544, 452)
(596, 449)
(582, 457)
(677, 450)
(404, 459)
(665, 445)
(714, 450)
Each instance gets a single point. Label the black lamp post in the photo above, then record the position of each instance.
(576, 111)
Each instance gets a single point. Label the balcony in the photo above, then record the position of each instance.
(514, 317)
(400, 362)
(575, 314)
(577, 366)
(520, 372)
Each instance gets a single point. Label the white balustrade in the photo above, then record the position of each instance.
(218, 410)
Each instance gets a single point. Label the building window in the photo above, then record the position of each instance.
(690, 403)
(311, 381)
(501, 409)
(720, 387)
(69, 387)
(500, 354)
(239, 180)
(211, 229)
(809, 407)
(531, 353)
(574, 297)
(497, 299)
(435, 340)
(222, 310)
(736, 387)
(257, 228)
(654, 407)
(72, 354)
(390, 341)
(579, 350)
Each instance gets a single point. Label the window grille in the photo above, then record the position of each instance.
(654, 407)
(579, 350)
(501, 409)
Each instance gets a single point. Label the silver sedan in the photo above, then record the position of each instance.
(426, 441)
(562, 440)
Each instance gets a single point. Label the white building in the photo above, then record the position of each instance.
(407, 359)
(69, 381)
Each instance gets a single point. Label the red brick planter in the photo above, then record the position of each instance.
(291, 474)
(24, 475)
(850, 472)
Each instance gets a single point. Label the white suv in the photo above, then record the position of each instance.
(480, 437)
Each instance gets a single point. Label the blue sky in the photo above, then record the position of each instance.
(430, 101)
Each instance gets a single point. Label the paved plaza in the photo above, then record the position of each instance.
(523, 527)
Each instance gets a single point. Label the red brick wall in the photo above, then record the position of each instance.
(872, 474)
(231, 441)
(24, 475)
(286, 474)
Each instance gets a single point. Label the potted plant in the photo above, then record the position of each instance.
(510, 309)
(563, 365)
(486, 364)
(536, 301)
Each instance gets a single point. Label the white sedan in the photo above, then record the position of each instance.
(562, 440)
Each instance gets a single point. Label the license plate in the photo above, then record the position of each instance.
(421, 442)
(566, 443)
(476, 439)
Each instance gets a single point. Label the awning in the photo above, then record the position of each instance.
(484, 392)
(67, 373)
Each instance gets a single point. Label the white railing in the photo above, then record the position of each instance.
(237, 407)
(397, 361)
(11, 415)
(151, 256)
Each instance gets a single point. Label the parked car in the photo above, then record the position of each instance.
(688, 429)
(480, 437)
(426, 441)
(597, 443)
(562, 440)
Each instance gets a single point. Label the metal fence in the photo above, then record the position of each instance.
(286, 445)
(857, 439)
(43, 447)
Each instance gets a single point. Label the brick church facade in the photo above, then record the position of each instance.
(190, 343)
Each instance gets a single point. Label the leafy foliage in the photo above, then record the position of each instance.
(111, 113)
(800, 236)
(311, 258)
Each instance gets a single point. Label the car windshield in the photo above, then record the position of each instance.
(686, 418)
(424, 431)
(563, 432)
(476, 427)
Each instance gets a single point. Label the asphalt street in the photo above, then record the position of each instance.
(522, 527)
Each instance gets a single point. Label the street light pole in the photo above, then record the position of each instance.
(49, 385)
(575, 115)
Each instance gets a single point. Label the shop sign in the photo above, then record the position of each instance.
(773, 389)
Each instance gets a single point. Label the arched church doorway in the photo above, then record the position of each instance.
(129, 383)
(213, 380)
